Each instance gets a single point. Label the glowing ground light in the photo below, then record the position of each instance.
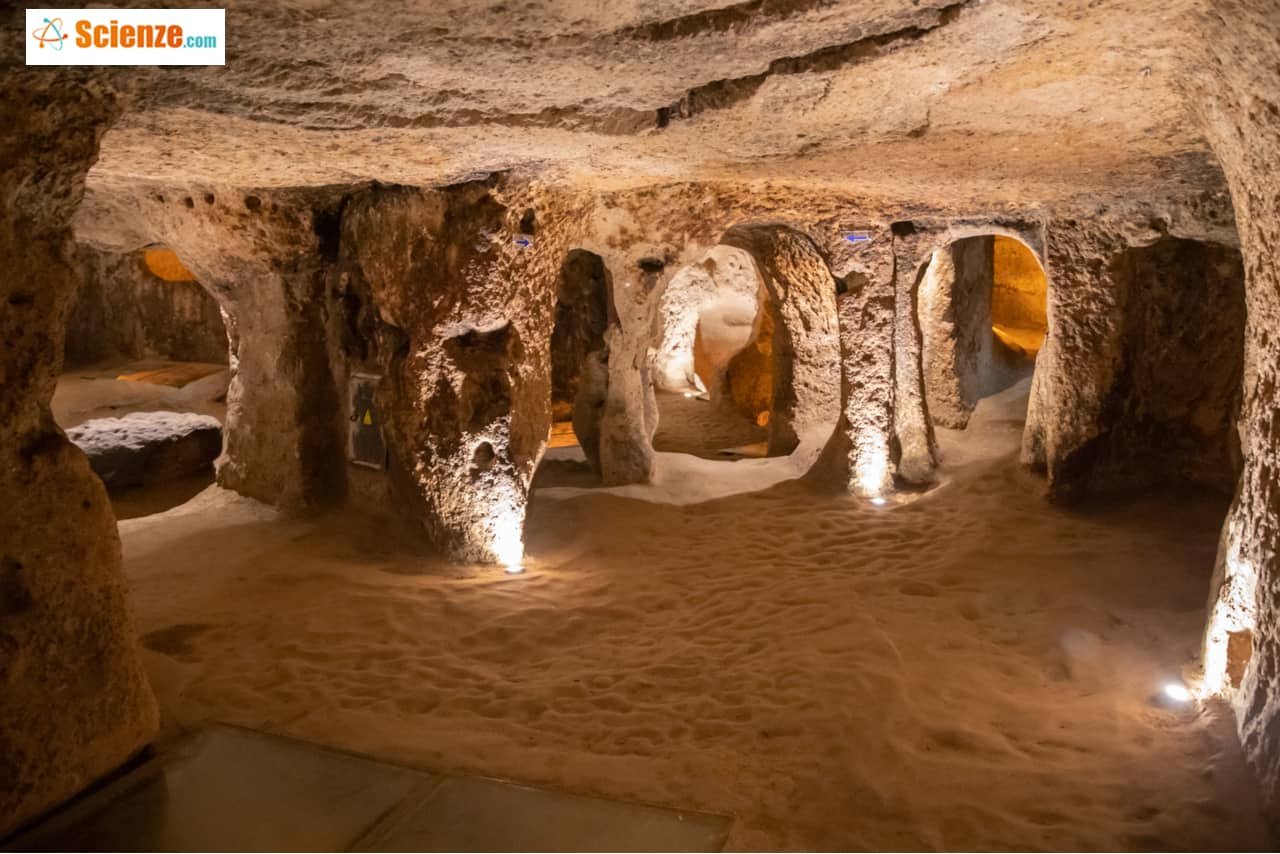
(878, 501)
(514, 568)
(872, 469)
(1178, 693)
(43, 37)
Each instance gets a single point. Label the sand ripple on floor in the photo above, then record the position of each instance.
(971, 670)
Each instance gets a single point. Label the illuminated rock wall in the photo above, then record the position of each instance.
(749, 374)
(125, 308)
(722, 280)
(1018, 298)
(74, 703)
(456, 319)
(1235, 79)
(861, 456)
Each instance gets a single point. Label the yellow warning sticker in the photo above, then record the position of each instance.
(368, 417)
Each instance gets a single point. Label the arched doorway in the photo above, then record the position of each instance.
(579, 371)
(145, 375)
(713, 359)
(983, 318)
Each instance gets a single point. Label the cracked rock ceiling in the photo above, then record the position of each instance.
(991, 101)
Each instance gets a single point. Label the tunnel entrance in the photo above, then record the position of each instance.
(145, 374)
(983, 319)
(579, 372)
(1169, 417)
(715, 359)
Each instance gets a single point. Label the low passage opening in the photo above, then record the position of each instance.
(983, 319)
(579, 373)
(145, 373)
(715, 360)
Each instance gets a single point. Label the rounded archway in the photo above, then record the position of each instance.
(772, 375)
(579, 358)
(982, 309)
(713, 359)
(145, 377)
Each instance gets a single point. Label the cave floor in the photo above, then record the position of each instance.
(707, 429)
(115, 387)
(974, 669)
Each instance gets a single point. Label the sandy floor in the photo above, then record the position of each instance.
(690, 425)
(972, 670)
(94, 392)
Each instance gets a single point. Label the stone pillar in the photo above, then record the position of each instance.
(1081, 356)
(912, 427)
(285, 436)
(465, 395)
(74, 703)
(859, 456)
(629, 416)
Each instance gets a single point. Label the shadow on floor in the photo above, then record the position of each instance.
(230, 789)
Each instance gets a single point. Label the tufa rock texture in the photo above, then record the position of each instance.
(1234, 83)
(456, 318)
(412, 213)
(1139, 379)
(123, 308)
(74, 703)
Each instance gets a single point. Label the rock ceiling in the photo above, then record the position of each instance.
(997, 101)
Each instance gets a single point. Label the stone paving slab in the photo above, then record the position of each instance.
(231, 789)
(474, 814)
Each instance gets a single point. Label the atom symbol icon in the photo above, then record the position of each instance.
(42, 35)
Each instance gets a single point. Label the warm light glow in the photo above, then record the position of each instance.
(1178, 692)
(690, 394)
(562, 435)
(878, 501)
(1018, 297)
(507, 545)
(164, 264)
(1234, 611)
(507, 533)
(515, 568)
(872, 470)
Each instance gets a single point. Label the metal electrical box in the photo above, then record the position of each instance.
(365, 446)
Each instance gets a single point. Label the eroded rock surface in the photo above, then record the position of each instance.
(1138, 381)
(1234, 81)
(74, 703)
(123, 308)
(403, 211)
(148, 447)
